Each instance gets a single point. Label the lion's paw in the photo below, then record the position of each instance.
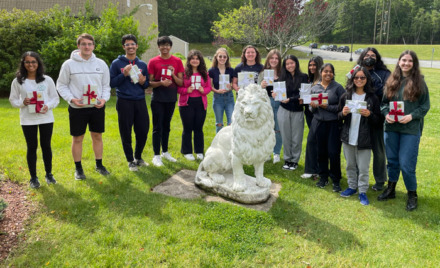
(239, 185)
(264, 182)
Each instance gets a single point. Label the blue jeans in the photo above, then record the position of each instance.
(222, 103)
(279, 141)
(402, 151)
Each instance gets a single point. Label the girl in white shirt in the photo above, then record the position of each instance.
(34, 115)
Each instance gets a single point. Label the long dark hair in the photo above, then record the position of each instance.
(351, 87)
(413, 88)
(379, 63)
(314, 78)
(287, 76)
(257, 58)
(267, 64)
(22, 73)
(201, 68)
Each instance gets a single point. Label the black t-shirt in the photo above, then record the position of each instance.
(214, 73)
(256, 69)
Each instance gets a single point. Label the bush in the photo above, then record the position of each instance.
(179, 55)
(53, 34)
(3, 206)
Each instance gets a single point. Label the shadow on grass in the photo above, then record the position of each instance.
(292, 218)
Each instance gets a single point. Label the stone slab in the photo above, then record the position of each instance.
(181, 185)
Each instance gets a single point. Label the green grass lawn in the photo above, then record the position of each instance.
(117, 221)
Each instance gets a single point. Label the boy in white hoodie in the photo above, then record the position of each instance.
(84, 69)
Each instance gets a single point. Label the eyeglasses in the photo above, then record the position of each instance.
(165, 45)
(222, 57)
(360, 78)
(129, 44)
(31, 62)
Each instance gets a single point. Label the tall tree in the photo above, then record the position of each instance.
(280, 24)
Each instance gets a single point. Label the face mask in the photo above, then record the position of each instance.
(369, 62)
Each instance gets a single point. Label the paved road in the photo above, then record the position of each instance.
(333, 55)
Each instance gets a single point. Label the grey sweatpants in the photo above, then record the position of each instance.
(358, 164)
(292, 131)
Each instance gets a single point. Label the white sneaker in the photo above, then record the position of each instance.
(140, 163)
(276, 158)
(168, 157)
(157, 161)
(306, 176)
(199, 156)
(190, 157)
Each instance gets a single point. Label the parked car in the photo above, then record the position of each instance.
(332, 48)
(313, 45)
(344, 49)
(359, 51)
(324, 47)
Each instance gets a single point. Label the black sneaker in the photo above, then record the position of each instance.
(50, 179)
(286, 165)
(79, 175)
(132, 166)
(102, 170)
(293, 166)
(336, 187)
(322, 183)
(34, 183)
(377, 187)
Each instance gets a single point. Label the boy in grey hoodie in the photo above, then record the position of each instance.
(84, 69)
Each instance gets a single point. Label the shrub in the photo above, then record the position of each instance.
(3, 206)
(53, 34)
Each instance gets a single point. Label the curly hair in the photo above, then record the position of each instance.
(413, 88)
(215, 61)
(257, 58)
(201, 69)
(351, 87)
(22, 73)
(269, 55)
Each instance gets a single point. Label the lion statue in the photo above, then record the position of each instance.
(248, 141)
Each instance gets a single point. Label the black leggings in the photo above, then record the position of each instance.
(31, 136)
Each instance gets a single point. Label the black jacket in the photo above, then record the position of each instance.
(367, 123)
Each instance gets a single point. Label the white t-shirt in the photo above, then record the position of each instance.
(355, 121)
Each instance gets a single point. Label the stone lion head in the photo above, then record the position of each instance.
(252, 109)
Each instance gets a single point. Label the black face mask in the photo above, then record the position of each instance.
(369, 62)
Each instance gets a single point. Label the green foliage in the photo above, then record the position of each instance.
(53, 34)
(191, 20)
(3, 206)
(229, 50)
(179, 55)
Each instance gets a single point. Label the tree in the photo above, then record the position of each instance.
(280, 24)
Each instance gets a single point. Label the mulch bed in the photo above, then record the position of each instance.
(15, 215)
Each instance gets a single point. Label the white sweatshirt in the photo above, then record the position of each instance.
(77, 72)
(19, 93)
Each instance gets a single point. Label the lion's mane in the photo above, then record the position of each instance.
(253, 126)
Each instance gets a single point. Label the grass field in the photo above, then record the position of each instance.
(116, 221)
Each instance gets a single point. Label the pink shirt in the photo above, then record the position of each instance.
(183, 91)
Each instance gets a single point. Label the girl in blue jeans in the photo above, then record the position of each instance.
(273, 61)
(223, 100)
(402, 136)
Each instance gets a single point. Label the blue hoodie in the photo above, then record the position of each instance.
(125, 88)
